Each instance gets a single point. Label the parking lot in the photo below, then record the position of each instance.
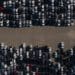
(38, 36)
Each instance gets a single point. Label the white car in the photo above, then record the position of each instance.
(62, 45)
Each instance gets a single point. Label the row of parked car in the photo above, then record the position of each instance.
(35, 60)
(22, 13)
